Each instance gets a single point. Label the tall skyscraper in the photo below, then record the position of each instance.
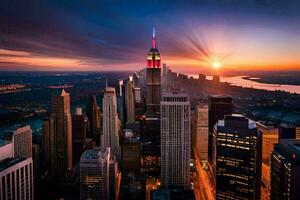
(22, 142)
(131, 153)
(110, 137)
(60, 134)
(200, 131)
(175, 139)
(153, 79)
(237, 152)
(285, 170)
(130, 101)
(94, 117)
(218, 107)
(16, 179)
(139, 109)
(80, 131)
(121, 100)
(46, 148)
(94, 174)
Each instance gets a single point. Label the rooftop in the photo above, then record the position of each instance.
(95, 154)
(237, 118)
(8, 162)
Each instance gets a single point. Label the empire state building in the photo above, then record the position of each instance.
(153, 80)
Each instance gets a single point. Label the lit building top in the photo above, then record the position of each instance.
(153, 57)
(95, 154)
(251, 124)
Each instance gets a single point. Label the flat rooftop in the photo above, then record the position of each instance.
(8, 162)
(94, 154)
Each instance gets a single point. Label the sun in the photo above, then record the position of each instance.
(216, 64)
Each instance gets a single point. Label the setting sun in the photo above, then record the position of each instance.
(216, 64)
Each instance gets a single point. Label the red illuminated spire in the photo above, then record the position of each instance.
(153, 39)
(153, 57)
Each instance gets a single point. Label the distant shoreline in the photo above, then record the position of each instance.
(283, 80)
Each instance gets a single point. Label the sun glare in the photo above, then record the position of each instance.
(216, 64)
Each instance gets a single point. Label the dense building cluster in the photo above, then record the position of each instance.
(148, 140)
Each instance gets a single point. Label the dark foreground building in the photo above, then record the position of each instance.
(237, 152)
(218, 107)
(285, 170)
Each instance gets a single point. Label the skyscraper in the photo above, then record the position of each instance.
(153, 79)
(285, 170)
(60, 134)
(94, 174)
(237, 152)
(139, 109)
(16, 179)
(94, 117)
(130, 101)
(121, 100)
(22, 142)
(200, 131)
(175, 140)
(46, 143)
(218, 106)
(110, 137)
(80, 131)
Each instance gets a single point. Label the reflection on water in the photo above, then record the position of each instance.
(239, 81)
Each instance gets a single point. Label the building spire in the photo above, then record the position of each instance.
(153, 39)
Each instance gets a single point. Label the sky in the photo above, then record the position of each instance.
(109, 35)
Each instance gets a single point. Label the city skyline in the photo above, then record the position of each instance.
(94, 36)
(205, 108)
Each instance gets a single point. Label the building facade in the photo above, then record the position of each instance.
(218, 107)
(285, 170)
(94, 117)
(80, 132)
(22, 142)
(16, 179)
(153, 79)
(94, 174)
(111, 125)
(175, 140)
(60, 135)
(237, 149)
(200, 131)
(6, 149)
(130, 101)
